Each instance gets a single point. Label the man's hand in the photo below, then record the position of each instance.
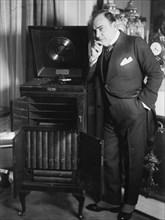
(95, 52)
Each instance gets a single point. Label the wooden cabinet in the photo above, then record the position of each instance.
(52, 150)
(50, 104)
(56, 159)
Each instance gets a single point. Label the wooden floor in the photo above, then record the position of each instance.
(48, 206)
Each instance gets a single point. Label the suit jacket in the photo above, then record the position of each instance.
(131, 61)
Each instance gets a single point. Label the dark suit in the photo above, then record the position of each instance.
(123, 92)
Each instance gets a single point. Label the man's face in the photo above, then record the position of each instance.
(104, 31)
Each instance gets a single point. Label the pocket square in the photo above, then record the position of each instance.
(126, 61)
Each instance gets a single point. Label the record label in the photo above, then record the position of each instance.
(61, 49)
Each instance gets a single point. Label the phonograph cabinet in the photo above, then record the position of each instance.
(52, 150)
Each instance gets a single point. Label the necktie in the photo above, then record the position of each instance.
(107, 51)
(107, 54)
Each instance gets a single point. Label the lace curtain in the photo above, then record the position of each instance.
(15, 17)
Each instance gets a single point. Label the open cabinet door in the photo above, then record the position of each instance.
(19, 161)
(91, 151)
(19, 110)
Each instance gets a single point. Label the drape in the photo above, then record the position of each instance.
(15, 17)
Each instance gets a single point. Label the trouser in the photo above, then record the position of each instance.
(125, 137)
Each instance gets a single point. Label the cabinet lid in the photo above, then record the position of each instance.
(60, 50)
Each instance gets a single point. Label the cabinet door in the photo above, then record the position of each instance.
(19, 161)
(20, 115)
(91, 150)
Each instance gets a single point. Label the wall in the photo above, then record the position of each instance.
(77, 12)
(160, 103)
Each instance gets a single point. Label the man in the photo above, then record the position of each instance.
(122, 62)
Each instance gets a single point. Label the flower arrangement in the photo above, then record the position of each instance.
(151, 166)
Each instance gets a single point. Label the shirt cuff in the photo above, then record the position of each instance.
(92, 63)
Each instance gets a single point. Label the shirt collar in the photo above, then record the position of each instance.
(115, 37)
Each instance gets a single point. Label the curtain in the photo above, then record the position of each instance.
(15, 17)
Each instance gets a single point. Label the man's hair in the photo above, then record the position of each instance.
(104, 12)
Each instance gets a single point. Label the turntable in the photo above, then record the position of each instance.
(60, 50)
(57, 93)
(61, 58)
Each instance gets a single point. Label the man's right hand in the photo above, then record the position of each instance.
(96, 50)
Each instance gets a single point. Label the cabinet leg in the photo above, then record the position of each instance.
(22, 196)
(81, 200)
(81, 205)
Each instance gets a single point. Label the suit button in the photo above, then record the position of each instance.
(106, 87)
